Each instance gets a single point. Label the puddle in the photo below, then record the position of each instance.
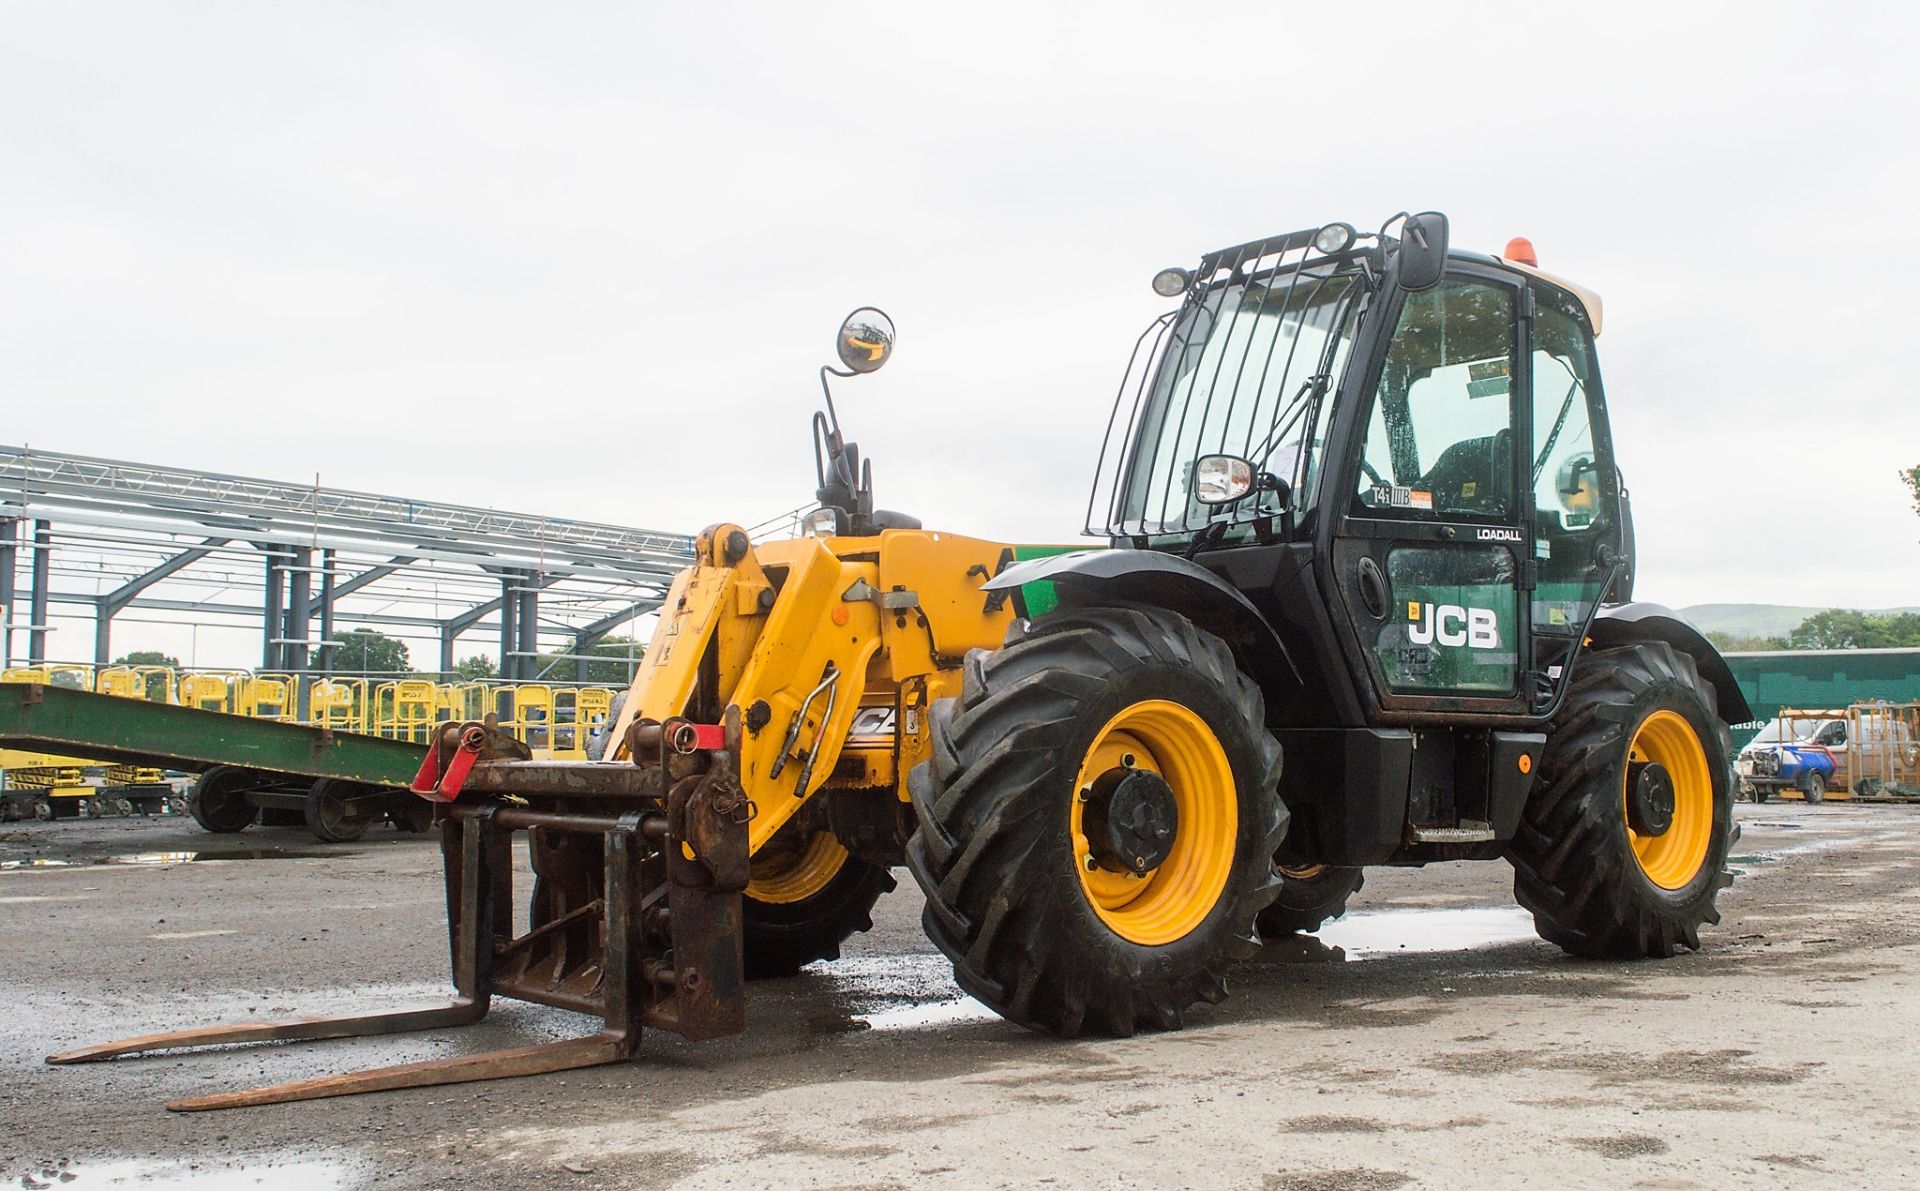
(901, 992)
(293, 1175)
(938, 1013)
(149, 858)
(1407, 932)
(164, 858)
(1355, 937)
(224, 854)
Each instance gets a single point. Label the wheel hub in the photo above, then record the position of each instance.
(1130, 820)
(1650, 798)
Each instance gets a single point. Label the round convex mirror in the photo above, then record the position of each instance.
(866, 340)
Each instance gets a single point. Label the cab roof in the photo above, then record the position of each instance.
(1295, 249)
(1589, 300)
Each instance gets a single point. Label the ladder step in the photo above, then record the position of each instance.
(1470, 831)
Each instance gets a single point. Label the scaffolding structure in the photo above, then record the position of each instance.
(296, 561)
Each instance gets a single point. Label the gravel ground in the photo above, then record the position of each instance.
(1428, 1040)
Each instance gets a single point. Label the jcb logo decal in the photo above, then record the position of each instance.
(1450, 624)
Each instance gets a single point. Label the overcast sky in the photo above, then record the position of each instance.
(283, 239)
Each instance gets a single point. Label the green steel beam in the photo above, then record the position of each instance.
(135, 732)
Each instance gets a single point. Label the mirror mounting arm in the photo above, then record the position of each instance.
(846, 481)
(826, 390)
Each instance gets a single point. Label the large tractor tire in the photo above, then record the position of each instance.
(1623, 846)
(1098, 821)
(218, 801)
(1309, 898)
(803, 901)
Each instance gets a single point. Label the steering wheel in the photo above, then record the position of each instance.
(1373, 475)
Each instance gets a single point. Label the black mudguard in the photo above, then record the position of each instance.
(1165, 581)
(1617, 624)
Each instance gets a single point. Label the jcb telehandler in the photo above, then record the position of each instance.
(1362, 511)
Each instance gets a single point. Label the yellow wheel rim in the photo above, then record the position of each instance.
(796, 874)
(1675, 858)
(1302, 874)
(1170, 901)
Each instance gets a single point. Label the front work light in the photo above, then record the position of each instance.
(1335, 237)
(823, 522)
(1171, 283)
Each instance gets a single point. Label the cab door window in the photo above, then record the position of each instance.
(1567, 475)
(1440, 442)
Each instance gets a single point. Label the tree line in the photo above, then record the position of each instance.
(1836, 628)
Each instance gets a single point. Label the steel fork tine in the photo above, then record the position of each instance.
(459, 1013)
(592, 1051)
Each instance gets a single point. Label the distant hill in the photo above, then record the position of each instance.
(1757, 620)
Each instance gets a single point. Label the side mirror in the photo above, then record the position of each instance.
(1423, 250)
(866, 340)
(1221, 479)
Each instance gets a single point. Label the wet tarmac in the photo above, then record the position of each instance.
(295, 1174)
(178, 857)
(120, 927)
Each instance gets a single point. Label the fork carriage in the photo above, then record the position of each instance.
(635, 910)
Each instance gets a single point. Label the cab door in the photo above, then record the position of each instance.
(1430, 552)
(1578, 534)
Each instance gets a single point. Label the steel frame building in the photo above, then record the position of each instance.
(299, 560)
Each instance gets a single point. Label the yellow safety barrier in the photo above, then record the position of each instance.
(155, 684)
(404, 710)
(212, 690)
(532, 721)
(460, 701)
(268, 697)
(553, 721)
(567, 742)
(338, 703)
(592, 707)
(79, 678)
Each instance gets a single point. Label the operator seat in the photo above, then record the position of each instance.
(888, 519)
(1474, 475)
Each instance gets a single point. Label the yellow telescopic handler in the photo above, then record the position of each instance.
(1358, 506)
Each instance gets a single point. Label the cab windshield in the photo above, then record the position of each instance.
(1241, 371)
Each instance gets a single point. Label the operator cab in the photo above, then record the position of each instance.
(1407, 440)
